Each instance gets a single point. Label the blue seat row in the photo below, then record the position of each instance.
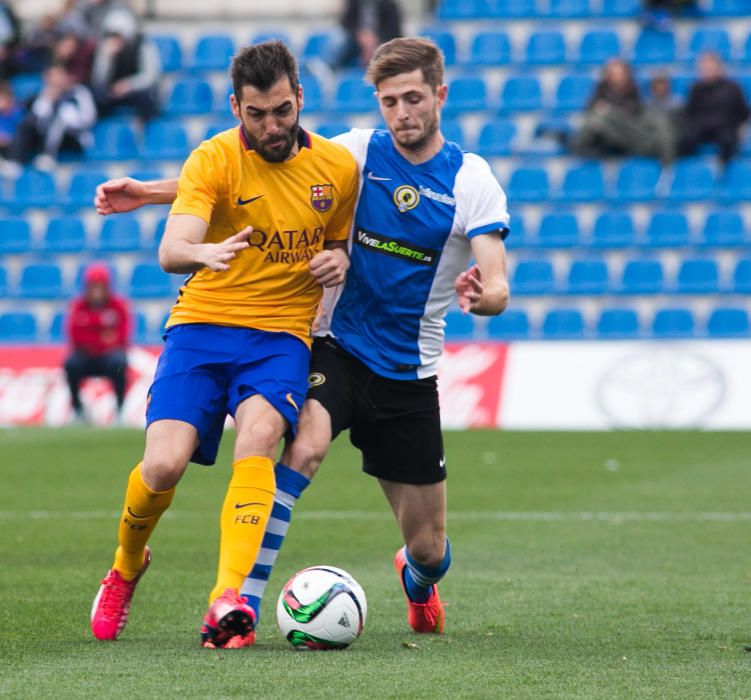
(593, 277)
(47, 281)
(612, 323)
(615, 228)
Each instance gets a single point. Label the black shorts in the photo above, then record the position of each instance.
(395, 423)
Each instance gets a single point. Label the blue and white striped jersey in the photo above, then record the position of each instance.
(410, 240)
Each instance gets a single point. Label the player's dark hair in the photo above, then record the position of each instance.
(262, 65)
(404, 55)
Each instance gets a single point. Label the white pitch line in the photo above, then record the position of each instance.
(481, 515)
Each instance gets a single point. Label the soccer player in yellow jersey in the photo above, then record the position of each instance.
(260, 222)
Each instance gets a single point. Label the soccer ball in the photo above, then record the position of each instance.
(321, 607)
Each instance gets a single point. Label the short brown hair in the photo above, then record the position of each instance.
(262, 65)
(403, 55)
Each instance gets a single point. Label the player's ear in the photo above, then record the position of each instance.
(441, 94)
(234, 105)
(300, 100)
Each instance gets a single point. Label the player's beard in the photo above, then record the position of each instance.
(275, 155)
(429, 131)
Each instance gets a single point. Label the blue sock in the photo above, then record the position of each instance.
(289, 486)
(419, 579)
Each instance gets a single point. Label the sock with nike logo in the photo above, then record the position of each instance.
(289, 487)
(141, 512)
(245, 513)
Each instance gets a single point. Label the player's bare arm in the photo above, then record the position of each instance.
(126, 194)
(329, 267)
(483, 289)
(183, 251)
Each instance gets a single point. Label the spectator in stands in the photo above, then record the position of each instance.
(615, 122)
(60, 117)
(98, 330)
(663, 113)
(126, 67)
(715, 110)
(9, 36)
(76, 53)
(657, 13)
(11, 114)
(367, 24)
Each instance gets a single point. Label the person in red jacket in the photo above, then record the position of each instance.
(98, 329)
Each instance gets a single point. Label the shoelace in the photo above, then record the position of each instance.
(113, 599)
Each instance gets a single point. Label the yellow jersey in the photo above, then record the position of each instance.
(293, 208)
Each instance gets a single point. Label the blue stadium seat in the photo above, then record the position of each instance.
(120, 234)
(518, 236)
(598, 46)
(272, 35)
(317, 45)
(463, 9)
(573, 93)
(213, 52)
(56, 330)
(569, 9)
(728, 322)
(512, 324)
(728, 8)
(41, 281)
(533, 277)
(558, 230)
(468, 94)
(620, 8)
(692, 181)
(563, 324)
(3, 282)
(459, 326)
(587, 277)
(490, 48)
(723, 228)
(354, 95)
(192, 96)
(113, 140)
(26, 85)
(496, 138)
(445, 41)
(312, 93)
(165, 140)
(713, 39)
(140, 332)
(82, 187)
(545, 48)
(148, 281)
(18, 327)
(521, 94)
(742, 276)
(453, 130)
(642, 277)
(698, 276)
(618, 323)
(736, 186)
(637, 179)
(653, 47)
(673, 323)
(15, 236)
(583, 183)
(170, 52)
(34, 188)
(64, 235)
(528, 184)
(219, 125)
(514, 9)
(329, 129)
(668, 229)
(613, 229)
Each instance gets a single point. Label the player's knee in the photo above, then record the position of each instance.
(306, 455)
(162, 471)
(259, 438)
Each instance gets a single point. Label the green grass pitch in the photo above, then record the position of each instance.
(612, 565)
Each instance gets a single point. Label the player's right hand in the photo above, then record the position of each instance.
(120, 195)
(217, 256)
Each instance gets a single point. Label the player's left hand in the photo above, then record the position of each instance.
(469, 288)
(329, 267)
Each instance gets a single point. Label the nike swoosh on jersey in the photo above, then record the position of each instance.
(242, 202)
(375, 177)
(251, 503)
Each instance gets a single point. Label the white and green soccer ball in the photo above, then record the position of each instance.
(321, 607)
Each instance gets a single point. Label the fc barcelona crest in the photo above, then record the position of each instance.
(321, 197)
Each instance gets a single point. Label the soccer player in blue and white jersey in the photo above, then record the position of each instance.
(425, 208)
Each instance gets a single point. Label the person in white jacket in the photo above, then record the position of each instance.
(60, 117)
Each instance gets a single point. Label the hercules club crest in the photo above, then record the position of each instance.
(321, 197)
